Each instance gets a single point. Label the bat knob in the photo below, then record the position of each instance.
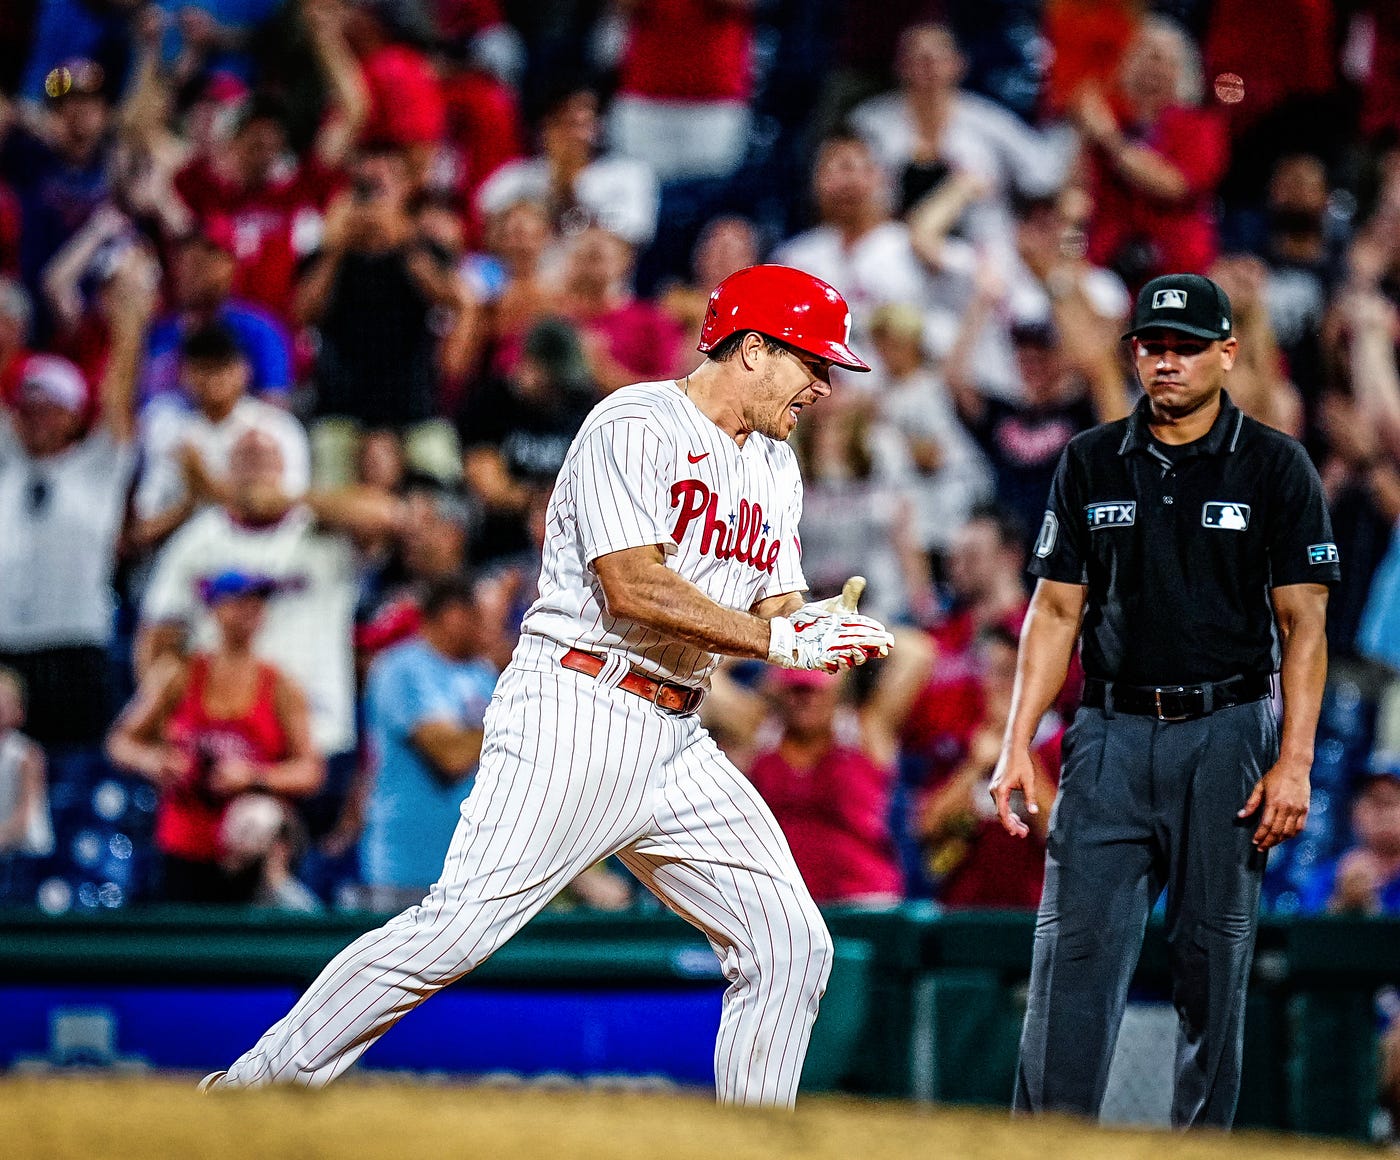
(851, 592)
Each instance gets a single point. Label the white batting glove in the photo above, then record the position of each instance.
(828, 634)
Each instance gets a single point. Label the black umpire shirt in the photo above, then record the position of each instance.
(1179, 546)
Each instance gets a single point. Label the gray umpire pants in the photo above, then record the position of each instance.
(1146, 805)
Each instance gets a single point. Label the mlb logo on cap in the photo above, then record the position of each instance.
(1169, 300)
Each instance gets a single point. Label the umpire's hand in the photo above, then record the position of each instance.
(1284, 792)
(1015, 770)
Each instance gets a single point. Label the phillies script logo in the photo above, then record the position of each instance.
(744, 537)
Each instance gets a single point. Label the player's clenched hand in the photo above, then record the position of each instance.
(1014, 770)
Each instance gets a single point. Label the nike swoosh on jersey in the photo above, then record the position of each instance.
(697, 458)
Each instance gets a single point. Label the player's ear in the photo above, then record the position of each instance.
(752, 349)
(1229, 348)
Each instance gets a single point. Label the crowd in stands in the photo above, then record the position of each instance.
(302, 301)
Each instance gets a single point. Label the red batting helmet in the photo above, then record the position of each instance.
(785, 304)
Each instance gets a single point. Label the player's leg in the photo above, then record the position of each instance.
(1100, 884)
(716, 856)
(564, 780)
(1213, 904)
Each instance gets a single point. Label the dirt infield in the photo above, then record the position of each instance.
(91, 1119)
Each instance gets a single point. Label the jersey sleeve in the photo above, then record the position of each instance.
(1061, 553)
(787, 574)
(1300, 544)
(622, 471)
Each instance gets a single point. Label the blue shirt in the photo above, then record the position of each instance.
(260, 336)
(411, 814)
(55, 197)
(1317, 885)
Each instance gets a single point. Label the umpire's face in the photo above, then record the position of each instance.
(1180, 372)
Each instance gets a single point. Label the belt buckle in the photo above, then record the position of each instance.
(1157, 692)
(685, 691)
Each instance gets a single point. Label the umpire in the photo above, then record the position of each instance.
(1189, 548)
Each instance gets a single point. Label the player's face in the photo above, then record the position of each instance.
(789, 381)
(1179, 372)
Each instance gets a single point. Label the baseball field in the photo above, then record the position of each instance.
(148, 1119)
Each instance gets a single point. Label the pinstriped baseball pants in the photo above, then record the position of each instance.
(572, 770)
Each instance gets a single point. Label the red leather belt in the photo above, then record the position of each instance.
(669, 697)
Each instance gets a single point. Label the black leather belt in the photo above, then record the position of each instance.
(680, 700)
(1175, 702)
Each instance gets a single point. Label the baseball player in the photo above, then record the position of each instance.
(671, 540)
(1190, 549)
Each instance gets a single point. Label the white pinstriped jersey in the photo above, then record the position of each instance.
(648, 467)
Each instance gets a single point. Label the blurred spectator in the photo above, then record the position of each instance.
(625, 339)
(68, 29)
(204, 273)
(482, 125)
(261, 531)
(1301, 251)
(16, 313)
(985, 583)
(1072, 379)
(10, 232)
(578, 187)
(1047, 277)
(869, 257)
(478, 31)
(62, 497)
(424, 705)
(273, 199)
(931, 129)
(59, 167)
(1366, 878)
(686, 79)
(1259, 380)
(968, 859)
(211, 732)
(725, 245)
(1085, 39)
(1296, 58)
(856, 513)
(370, 290)
(516, 289)
(26, 830)
(185, 447)
(1153, 160)
(826, 768)
(406, 109)
(429, 547)
(1361, 475)
(457, 327)
(1372, 54)
(517, 430)
(949, 473)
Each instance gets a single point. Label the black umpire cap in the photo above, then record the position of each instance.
(1187, 303)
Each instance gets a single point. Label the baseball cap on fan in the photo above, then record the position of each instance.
(1186, 303)
(51, 378)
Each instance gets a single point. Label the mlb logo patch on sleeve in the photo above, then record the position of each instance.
(1114, 513)
(1229, 517)
(1323, 554)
